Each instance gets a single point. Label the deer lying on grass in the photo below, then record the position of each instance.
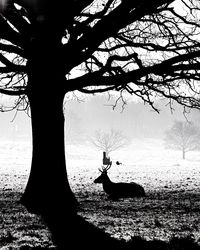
(120, 189)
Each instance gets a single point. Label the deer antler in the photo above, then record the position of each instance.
(108, 166)
(101, 170)
(104, 169)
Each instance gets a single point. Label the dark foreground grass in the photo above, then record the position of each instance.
(136, 243)
(22, 230)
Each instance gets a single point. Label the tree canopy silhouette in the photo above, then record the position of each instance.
(47, 49)
(145, 49)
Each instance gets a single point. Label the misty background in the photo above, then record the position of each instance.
(85, 116)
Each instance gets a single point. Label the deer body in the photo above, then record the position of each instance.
(120, 189)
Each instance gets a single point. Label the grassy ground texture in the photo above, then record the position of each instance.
(170, 209)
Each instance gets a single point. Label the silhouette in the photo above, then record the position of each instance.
(120, 189)
(106, 159)
(41, 84)
(118, 163)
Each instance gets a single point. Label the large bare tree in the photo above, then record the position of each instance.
(144, 48)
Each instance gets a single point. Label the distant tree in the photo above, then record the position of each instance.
(183, 136)
(109, 141)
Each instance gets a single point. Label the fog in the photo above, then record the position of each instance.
(94, 113)
(136, 120)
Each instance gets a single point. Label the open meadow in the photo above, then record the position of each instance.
(170, 209)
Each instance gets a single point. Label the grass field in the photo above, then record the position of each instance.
(170, 209)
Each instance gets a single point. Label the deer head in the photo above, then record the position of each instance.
(103, 175)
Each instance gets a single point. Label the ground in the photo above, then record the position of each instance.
(171, 207)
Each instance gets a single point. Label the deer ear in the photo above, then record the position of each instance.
(100, 170)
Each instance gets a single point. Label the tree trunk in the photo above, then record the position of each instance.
(46, 77)
(48, 184)
(48, 192)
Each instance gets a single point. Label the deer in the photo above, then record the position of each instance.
(117, 190)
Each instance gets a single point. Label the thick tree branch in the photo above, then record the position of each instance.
(9, 34)
(166, 67)
(13, 68)
(109, 25)
(17, 19)
(12, 92)
(12, 49)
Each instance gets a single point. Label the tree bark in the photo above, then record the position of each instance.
(48, 183)
(48, 192)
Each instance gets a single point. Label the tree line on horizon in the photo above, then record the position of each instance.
(136, 121)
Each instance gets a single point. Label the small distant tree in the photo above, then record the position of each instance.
(183, 136)
(109, 141)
